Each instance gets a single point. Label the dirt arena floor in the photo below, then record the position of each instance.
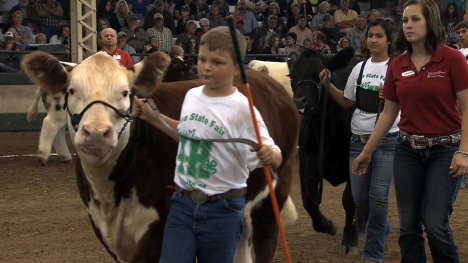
(42, 218)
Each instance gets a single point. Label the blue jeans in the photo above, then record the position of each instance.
(425, 194)
(209, 231)
(8, 69)
(374, 194)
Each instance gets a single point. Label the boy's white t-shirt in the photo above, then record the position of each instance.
(216, 168)
(464, 51)
(374, 73)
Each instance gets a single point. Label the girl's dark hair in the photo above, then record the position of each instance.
(271, 40)
(59, 35)
(455, 11)
(435, 31)
(389, 29)
(101, 6)
(187, 48)
(292, 35)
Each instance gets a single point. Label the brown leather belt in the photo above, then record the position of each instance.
(199, 197)
(421, 142)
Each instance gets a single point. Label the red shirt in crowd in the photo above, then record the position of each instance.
(122, 56)
(428, 100)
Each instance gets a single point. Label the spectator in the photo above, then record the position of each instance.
(317, 22)
(182, 22)
(462, 33)
(158, 8)
(304, 6)
(373, 14)
(358, 31)
(154, 42)
(109, 42)
(30, 16)
(187, 5)
(240, 24)
(291, 45)
(63, 37)
(333, 6)
(333, 35)
(364, 50)
(257, 7)
(136, 35)
(306, 45)
(301, 31)
(122, 12)
(294, 18)
(183, 39)
(139, 7)
(23, 33)
(103, 23)
(6, 5)
(343, 43)
(345, 18)
(250, 23)
(274, 9)
(122, 45)
(10, 63)
(262, 38)
(282, 6)
(204, 27)
(50, 12)
(223, 8)
(147, 49)
(251, 48)
(192, 49)
(176, 52)
(104, 11)
(214, 18)
(202, 8)
(319, 42)
(41, 39)
(169, 6)
(273, 48)
(461, 6)
(449, 20)
(163, 34)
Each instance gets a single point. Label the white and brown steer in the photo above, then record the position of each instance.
(124, 174)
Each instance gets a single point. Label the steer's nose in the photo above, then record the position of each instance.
(97, 133)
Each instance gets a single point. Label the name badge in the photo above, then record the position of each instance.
(407, 74)
(118, 57)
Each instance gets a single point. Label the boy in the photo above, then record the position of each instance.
(176, 52)
(213, 174)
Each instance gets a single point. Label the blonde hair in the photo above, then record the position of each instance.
(220, 38)
(176, 51)
(117, 12)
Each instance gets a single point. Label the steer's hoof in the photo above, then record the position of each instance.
(70, 161)
(333, 229)
(42, 160)
(346, 250)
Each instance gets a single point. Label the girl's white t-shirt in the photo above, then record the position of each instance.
(374, 73)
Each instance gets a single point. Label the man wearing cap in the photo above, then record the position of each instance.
(10, 62)
(301, 31)
(122, 45)
(158, 8)
(345, 18)
(163, 34)
(109, 43)
(50, 13)
(194, 12)
(357, 31)
(240, 24)
(250, 22)
(333, 35)
(317, 22)
(136, 36)
(183, 39)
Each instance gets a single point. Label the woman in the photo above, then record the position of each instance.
(291, 47)
(274, 9)
(362, 90)
(22, 33)
(273, 48)
(373, 14)
(122, 12)
(139, 7)
(103, 10)
(192, 49)
(63, 37)
(103, 23)
(425, 82)
(343, 43)
(449, 20)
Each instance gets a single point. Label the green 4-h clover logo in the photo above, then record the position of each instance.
(209, 167)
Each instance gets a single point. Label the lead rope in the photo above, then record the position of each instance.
(379, 110)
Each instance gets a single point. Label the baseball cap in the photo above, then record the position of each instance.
(120, 34)
(132, 16)
(189, 22)
(9, 34)
(326, 18)
(158, 3)
(185, 7)
(239, 18)
(158, 16)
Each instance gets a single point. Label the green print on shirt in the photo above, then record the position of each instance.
(204, 120)
(198, 159)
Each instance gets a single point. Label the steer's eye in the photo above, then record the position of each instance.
(125, 94)
(71, 91)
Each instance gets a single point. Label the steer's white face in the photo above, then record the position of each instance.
(100, 77)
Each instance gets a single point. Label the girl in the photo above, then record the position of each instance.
(273, 48)
(103, 23)
(103, 10)
(449, 20)
(192, 49)
(122, 12)
(344, 42)
(431, 153)
(362, 89)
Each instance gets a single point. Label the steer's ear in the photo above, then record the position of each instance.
(45, 70)
(340, 60)
(146, 75)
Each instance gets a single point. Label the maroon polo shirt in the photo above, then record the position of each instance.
(428, 100)
(122, 56)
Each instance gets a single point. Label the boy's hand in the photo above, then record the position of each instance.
(142, 109)
(269, 156)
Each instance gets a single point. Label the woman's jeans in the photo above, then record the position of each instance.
(425, 193)
(374, 195)
(209, 231)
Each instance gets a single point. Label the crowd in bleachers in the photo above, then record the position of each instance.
(270, 26)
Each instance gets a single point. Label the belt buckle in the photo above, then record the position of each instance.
(455, 137)
(198, 196)
(413, 138)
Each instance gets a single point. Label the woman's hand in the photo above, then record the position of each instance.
(459, 165)
(323, 75)
(381, 91)
(360, 164)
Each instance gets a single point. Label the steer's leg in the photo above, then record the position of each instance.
(61, 147)
(50, 128)
(308, 170)
(244, 247)
(349, 244)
